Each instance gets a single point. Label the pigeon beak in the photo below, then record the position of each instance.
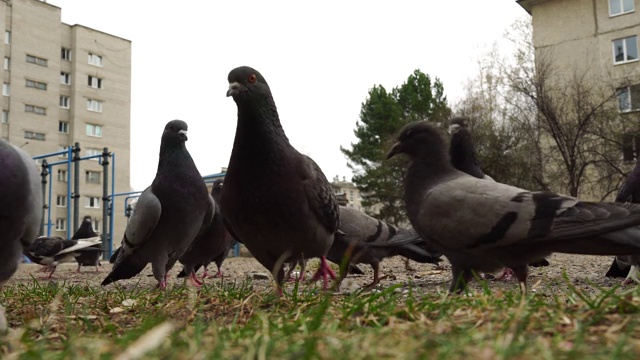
(183, 135)
(396, 149)
(453, 128)
(234, 89)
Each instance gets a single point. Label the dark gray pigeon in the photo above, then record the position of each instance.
(463, 157)
(275, 199)
(628, 267)
(87, 258)
(20, 206)
(168, 215)
(54, 250)
(461, 150)
(482, 225)
(212, 246)
(364, 239)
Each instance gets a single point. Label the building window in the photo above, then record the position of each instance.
(63, 127)
(7, 37)
(93, 152)
(36, 60)
(619, 7)
(625, 50)
(92, 177)
(65, 154)
(628, 98)
(65, 102)
(7, 63)
(65, 78)
(96, 225)
(62, 175)
(61, 224)
(33, 135)
(94, 130)
(95, 59)
(6, 89)
(5, 117)
(61, 201)
(92, 202)
(35, 109)
(94, 105)
(65, 54)
(36, 85)
(95, 82)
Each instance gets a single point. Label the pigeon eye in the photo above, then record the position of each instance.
(252, 78)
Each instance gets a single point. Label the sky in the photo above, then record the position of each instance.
(320, 59)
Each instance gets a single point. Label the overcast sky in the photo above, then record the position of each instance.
(320, 59)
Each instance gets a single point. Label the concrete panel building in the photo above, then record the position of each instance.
(64, 84)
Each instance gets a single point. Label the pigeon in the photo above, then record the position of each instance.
(461, 150)
(212, 246)
(169, 214)
(276, 200)
(365, 239)
(463, 158)
(483, 225)
(20, 206)
(53, 250)
(87, 258)
(628, 266)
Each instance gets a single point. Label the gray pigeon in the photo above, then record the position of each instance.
(628, 266)
(212, 246)
(168, 215)
(20, 206)
(275, 199)
(87, 258)
(364, 239)
(482, 225)
(54, 250)
(463, 158)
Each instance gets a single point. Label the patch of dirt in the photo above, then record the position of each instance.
(584, 272)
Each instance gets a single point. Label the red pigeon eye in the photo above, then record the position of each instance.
(252, 78)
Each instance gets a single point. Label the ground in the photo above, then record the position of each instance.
(584, 271)
(572, 311)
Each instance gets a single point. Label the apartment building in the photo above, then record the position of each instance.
(63, 84)
(595, 37)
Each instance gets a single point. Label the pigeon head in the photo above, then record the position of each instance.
(86, 219)
(419, 139)
(175, 131)
(245, 81)
(217, 187)
(457, 123)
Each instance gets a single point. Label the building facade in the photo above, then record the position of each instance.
(63, 84)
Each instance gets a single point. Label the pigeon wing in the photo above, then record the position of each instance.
(144, 218)
(319, 194)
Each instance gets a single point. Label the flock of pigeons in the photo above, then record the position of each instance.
(279, 204)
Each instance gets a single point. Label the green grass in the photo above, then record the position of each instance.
(234, 321)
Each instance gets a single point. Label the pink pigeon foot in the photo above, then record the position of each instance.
(324, 272)
(194, 280)
(507, 275)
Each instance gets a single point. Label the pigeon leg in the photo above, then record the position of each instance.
(218, 274)
(78, 269)
(634, 271)
(205, 274)
(460, 279)
(324, 272)
(98, 267)
(407, 265)
(521, 273)
(507, 275)
(376, 276)
(292, 265)
(160, 273)
(303, 265)
(53, 269)
(194, 280)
